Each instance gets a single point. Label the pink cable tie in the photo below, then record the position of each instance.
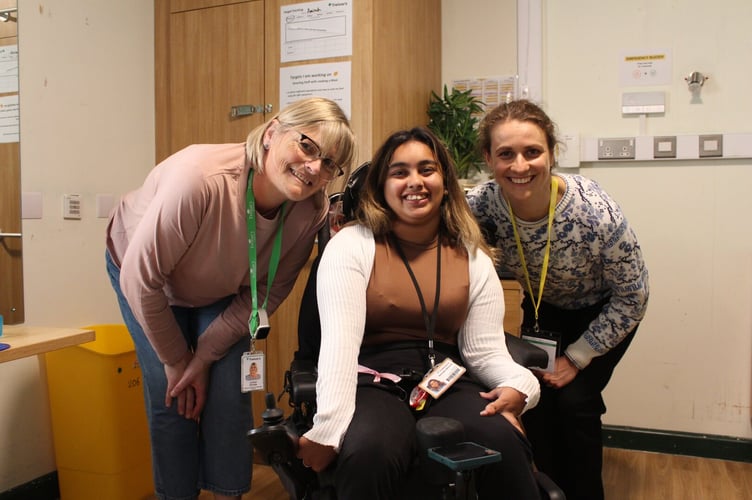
(377, 376)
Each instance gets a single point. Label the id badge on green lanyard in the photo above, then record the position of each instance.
(258, 322)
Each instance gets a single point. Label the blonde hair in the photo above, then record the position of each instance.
(313, 112)
(458, 224)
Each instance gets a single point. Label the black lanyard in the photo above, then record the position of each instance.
(429, 321)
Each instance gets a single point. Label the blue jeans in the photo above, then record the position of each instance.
(214, 453)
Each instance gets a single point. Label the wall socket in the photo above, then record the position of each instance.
(711, 145)
(664, 146)
(616, 149)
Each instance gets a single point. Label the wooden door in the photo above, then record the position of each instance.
(11, 263)
(209, 57)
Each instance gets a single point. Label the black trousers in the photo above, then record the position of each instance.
(565, 427)
(379, 448)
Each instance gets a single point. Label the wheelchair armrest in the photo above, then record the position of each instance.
(549, 490)
(525, 353)
(303, 377)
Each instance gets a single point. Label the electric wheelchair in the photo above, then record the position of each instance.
(435, 476)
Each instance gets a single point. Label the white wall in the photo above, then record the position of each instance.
(478, 39)
(689, 368)
(87, 127)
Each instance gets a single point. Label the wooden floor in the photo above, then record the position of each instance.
(646, 476)
(627, 475)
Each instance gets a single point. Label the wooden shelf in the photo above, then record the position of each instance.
(27, 341)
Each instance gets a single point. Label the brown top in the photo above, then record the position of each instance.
(393, 308)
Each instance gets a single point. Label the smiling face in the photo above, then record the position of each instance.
(521, 160)
(290, 173)
(414, 189)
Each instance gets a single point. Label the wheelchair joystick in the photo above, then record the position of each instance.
(276, 444)
(272, 440)
(272, 415)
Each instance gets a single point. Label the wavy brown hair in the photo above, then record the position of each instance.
(520, 110)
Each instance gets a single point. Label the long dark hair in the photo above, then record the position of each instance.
(458, 225)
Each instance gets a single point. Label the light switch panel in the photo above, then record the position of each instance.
(711, 145)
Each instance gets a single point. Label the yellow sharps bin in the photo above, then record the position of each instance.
(98, 419)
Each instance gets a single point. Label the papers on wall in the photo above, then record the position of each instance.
(8, 69)
(315, 30)
(492, 90)
(330, 80)
(9, 123)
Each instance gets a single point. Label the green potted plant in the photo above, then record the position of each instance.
(454, 119)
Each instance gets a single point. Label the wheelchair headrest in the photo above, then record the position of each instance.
(342, 205)
(351, 195)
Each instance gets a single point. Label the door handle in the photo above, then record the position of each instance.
(9, 235)
(249, 109)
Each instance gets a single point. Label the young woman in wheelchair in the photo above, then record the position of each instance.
(410, 289)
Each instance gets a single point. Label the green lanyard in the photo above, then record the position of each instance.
(253, 320)
(546, 255)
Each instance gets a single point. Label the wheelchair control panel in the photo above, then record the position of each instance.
(464, 456)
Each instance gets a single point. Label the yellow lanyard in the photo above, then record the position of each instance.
(546, 255)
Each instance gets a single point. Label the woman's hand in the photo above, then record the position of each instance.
(314, 455)
(564, 373)
(506, 402)
(193, 382)
(174, 373)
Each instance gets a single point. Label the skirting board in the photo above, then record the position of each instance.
(41, 488)
(677, 443)
(630, 438)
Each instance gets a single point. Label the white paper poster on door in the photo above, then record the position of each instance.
(8, 68)
(315, 30)
(9, 123)
(330, 80)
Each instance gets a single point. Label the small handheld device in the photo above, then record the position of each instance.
(263, 328)
(464, 456)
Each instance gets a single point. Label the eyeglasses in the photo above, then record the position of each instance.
(312, 152)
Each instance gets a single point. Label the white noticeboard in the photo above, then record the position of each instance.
(330, 80)
(315, 30)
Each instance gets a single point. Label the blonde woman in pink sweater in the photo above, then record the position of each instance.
(199, 255)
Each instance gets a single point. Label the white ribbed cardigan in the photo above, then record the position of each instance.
(342, 279)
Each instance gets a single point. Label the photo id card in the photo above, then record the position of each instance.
(252, 372)
(546, 340)
(441, 378)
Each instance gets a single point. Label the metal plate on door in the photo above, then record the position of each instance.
(249, 109)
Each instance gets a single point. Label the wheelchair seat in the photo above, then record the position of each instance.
(275, 440)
